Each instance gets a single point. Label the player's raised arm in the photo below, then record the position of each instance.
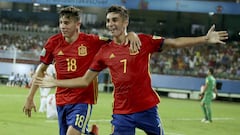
(212, 37)
(83, 81)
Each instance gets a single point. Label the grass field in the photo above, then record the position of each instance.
(179, 117)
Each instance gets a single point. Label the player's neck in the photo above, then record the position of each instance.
(72, 39)
(120, 40)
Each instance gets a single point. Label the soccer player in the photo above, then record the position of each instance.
(135, 102)
(11, 80)
(208, 89)
(72, 53)
(44, 92)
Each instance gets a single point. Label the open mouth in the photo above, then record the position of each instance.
(64, 32)
(112, 30)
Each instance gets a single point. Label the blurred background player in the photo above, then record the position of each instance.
(51, 112)
(44, 92)
(11, 79)
(207, 96)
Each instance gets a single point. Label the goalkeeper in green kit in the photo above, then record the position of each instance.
(208, 89)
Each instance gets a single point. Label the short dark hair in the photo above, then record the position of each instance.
(211, 71)
(70, 12)
(120, 10)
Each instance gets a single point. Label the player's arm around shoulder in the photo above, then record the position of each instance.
(134, 41)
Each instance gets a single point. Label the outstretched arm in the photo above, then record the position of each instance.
(83, 81)
(212, 37)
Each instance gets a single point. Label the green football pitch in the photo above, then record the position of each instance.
(179, 117)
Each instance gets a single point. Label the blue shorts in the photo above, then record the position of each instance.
(76, 115)
(149, 121)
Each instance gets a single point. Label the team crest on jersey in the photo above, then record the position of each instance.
(43, 52)
(82, 50)
(156, 37)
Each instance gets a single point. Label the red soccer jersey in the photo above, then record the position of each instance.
(130, 74)
(71, 61)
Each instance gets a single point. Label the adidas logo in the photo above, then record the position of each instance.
(60, 53)
(111, 56)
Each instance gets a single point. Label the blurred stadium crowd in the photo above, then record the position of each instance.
(28, 39)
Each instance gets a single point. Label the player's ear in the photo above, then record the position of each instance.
(77, 23)
(126, 22)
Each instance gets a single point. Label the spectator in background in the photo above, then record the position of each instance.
(17, 80)
(24, 81)
(191, 63)
(11, 79)
(238, 71)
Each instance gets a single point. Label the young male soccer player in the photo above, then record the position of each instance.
(72, 52)
(208, 89)
(135, 102)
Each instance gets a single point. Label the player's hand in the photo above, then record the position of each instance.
(29, 105)
(216, 36)
(134, 41)
(46, 82)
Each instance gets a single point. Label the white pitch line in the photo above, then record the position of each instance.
(179, 119)
(169, 133)
(166, 133)
(16, 95)
(195, 119)
(101, 120)
(13, 95)
(51, 121)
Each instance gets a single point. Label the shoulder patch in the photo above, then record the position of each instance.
(156, 37)
(103, 38)
(43, 53)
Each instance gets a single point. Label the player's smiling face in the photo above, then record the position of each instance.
(68, 26)
(116, 24)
